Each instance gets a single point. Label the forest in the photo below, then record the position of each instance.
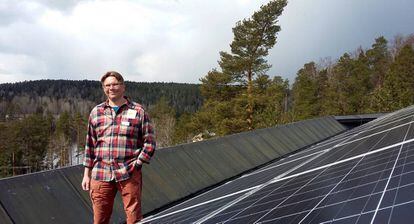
(43, 122)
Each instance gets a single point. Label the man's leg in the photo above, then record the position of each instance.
(131, 196)
(102, 195)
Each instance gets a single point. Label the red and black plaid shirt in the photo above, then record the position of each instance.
(115, 140)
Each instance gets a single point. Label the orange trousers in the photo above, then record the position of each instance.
(103, 195)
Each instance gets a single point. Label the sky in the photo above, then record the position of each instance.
(178, 40)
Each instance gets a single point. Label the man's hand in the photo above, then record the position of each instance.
(86, 181)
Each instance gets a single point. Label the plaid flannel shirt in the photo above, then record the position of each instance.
(116, 140)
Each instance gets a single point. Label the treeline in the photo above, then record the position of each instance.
(58, 96)
(378, 79)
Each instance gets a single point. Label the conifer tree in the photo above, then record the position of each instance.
(253, 38)
(305, 93)
(270, 101)
(398, 89)
(378, 58)
(362, 87)
(239, 90)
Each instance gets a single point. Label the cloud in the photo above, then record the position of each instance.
(61, 5)
(168, 40)
(148, 41)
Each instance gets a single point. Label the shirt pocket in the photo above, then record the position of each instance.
(125, 128)
(129, 127)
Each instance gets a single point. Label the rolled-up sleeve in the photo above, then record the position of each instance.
(148, 135)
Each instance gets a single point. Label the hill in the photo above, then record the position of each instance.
(57, 96)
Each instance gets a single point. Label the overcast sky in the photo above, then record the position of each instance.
(178, 40)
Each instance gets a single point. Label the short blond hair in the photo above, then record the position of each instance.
(113, 74)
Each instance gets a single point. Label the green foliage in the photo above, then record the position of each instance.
(29, 139)
(378, 61)
(305, 92)
(58, 96)
(224, 112)
(183, 130)
(253, 38)
(218, 86)
(241, 90)
(6, 151)
(270, 101)
(163, 120)
(364, 83)
(64, 125)
(398, 89)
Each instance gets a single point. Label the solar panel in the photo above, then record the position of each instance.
(365, 175)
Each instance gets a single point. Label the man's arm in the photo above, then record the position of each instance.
(86, 181)
(148, 137)
(89, 155)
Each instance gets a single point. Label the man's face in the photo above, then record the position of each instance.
(113, 89)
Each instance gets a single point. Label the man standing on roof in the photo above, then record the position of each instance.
(120, 139)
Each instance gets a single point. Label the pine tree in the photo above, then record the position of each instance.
(239, 90)
(357, 84)
(253, 38)
(305, 93)
(398, 89)
(270, 100)
(378, 59)
(218, 86)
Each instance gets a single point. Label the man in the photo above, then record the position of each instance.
(120, 139)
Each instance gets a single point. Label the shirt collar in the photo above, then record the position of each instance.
(128, 103)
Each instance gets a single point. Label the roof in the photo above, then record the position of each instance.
(174, 174)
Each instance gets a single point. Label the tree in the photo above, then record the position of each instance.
(6, 150)
(30, 139)
(64, 125)
(305, 93)
(399, 42)
(65, 136)
(360, 86)
(253, 38)
(398, 89)
(240, 90)
(378, 59)
(218, 86)
(183, 131)
(80, 126)
(163, 119)
(270, 100)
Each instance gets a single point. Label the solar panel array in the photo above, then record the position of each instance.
(365, 175)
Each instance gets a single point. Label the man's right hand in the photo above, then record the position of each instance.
(86, 181)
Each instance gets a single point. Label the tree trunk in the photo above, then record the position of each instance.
(249, 100)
